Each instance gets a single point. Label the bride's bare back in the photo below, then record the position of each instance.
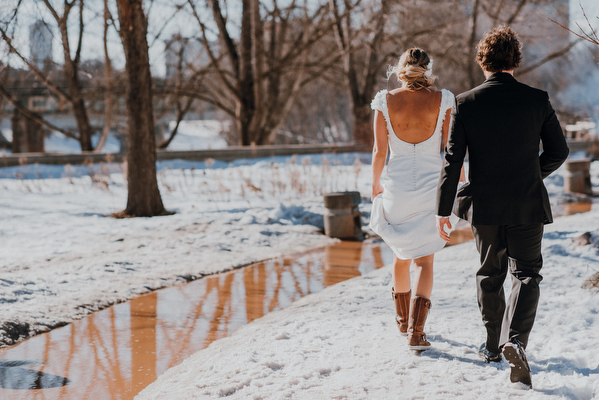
(413, 114)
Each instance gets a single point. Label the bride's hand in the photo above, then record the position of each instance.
(376, 190)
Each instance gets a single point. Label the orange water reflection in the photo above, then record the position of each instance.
(115, 353)
(573, 208)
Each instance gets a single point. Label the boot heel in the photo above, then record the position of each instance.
(419, 307)
(402, 309)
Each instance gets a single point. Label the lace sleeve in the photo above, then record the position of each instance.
(380, 101)
(447, 102)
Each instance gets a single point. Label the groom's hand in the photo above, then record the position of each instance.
(441, 223)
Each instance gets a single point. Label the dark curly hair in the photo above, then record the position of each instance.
(499, 50)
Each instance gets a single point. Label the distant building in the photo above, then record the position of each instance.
(40, 44)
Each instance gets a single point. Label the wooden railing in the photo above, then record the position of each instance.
(227, 154)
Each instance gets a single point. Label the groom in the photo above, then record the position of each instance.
(500, 124)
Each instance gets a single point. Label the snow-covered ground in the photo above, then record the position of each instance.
(62, 258)
(343, 343)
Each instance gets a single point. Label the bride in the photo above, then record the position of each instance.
(413, 122)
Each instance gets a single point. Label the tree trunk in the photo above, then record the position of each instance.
(71, 74)
(34, 136)
(247, 105)
(472, 69)
(17, 133)
(144, 196)
(80, 113)
(363, 124)
(361, 83)
(108, 97)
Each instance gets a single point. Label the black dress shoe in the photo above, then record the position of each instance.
(488, 356)
(516, 357)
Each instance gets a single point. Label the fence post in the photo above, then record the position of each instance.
(577, 178)
(342, 219)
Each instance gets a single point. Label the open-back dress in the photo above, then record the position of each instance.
(404, 214)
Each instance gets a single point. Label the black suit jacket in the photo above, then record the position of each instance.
(500, 124)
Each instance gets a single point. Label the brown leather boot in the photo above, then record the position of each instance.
(402, 308)
(419, 307)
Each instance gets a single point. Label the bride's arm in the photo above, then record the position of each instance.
(446, 125)
(379, 152)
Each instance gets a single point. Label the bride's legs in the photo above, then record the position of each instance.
(420, 303)
(401, 275)
(423, 276)
(401, 293)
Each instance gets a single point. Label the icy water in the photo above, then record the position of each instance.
(116, 352)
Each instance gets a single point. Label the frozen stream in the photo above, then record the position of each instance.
(116, 352)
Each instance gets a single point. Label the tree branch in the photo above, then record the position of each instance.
(224, 35)
(589, 37)
(164, 25)
(108, 97)
(80, 38)
(180, 115)
(515, 14)
(547, 58)
(52, 10)
(219, 104)
(213, 59)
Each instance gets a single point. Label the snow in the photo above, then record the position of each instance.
(342, 343)
(56, 142)
(62, 258)
(199, 135)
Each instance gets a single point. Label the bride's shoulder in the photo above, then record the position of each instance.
(447, 93)
(447, 99)
(380, 100)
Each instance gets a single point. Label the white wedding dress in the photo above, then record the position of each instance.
(404, 214)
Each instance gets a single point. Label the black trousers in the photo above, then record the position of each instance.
(515, 249)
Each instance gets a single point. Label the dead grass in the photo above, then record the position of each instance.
(592, 283)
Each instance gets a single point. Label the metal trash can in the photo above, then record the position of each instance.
(577, 178)
(342, 219)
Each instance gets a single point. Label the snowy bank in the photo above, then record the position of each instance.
(62, 258)
(343, 343)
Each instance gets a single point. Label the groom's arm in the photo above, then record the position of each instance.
(455, 151)
(555, 149)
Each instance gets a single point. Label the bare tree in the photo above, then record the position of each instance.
(182, 83)
(143, 194)
(257, 76)
(320, 114)
(590, 36)
(453, 44)
(363, 56)
(70, 69)
(108, 93)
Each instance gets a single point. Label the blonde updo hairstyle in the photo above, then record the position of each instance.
(413, 71)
